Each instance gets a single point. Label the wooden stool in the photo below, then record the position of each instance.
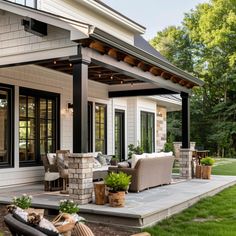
(100, 193)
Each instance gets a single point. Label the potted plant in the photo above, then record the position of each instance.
(24, 202)
(207, 163)
(117, 184)
(114, 161)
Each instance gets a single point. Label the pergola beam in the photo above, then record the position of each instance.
(140, 92)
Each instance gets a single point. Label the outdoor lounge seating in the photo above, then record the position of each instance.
(148, 172)
(19, 228)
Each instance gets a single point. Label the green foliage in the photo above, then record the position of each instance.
(224, 166)
(68, 206)
(23, 202)
(118, 181)
(168, 147)
(134, 150)
(205, 46)
(207, 161)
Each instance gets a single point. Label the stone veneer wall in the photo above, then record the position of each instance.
(81, 177)
(161, 116)
(185, 163)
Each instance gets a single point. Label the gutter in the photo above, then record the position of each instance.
(142, 55)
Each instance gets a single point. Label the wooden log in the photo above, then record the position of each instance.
(198, 171)
(100, 197)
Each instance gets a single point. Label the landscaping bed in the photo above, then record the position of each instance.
(98, 230)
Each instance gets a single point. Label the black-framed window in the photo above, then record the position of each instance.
(147, 131)
(90, 127)
(100, 128)
(6, 125)
(38, 125)
(28, 3)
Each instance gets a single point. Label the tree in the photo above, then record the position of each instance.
(205, 45)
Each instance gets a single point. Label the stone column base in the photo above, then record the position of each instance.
(185, 163)
(81, 177)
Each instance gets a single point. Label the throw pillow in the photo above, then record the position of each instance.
(96, 163)
(51, 158)
(20, 215)
(47, 227)
(135, 159)
(123, 164)
(82, 229)
(101, 158)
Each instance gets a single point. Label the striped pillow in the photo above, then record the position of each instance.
(81, 229)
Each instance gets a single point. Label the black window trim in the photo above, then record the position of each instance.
(42, 94)
(11, 122)
(105, 124)
(153, 135)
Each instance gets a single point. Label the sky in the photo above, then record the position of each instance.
(155, 15)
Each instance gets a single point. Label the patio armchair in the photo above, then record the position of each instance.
(52, 181)
(19, 228)
(62, 165)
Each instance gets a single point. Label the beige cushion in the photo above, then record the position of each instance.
(135, 159)
(96, 164)
(123, 164)
(51, 158)
(151, 155)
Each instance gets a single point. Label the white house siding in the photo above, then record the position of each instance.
(132, 124)
(15, 41)
(40, 78)
(161, 128)
(75, 10)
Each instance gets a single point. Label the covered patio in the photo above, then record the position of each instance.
(142, 209)
(86, 63)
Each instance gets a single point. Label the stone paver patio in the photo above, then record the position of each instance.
(141, 210)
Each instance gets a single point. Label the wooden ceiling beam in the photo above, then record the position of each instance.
(98, 47)
(143, 66)
(155, 71)
(130, 60)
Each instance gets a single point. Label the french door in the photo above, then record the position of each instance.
(120, 134)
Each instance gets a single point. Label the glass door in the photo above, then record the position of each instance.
(6, 126)
(120, 134)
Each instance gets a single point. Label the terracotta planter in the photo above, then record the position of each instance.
(206, 172)
(198, 173)
(117, 199)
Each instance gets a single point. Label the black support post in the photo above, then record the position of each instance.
(80, 103)
(185, 120)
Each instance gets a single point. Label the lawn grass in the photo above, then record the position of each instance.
(224, 166)
(212, 216)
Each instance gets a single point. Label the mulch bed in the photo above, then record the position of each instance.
(98, 230)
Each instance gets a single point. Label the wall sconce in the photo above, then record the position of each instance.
(70, 107)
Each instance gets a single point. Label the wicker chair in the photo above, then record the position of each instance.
(52, 181)
(62, 165)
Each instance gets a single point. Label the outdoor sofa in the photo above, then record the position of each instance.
(148, 172)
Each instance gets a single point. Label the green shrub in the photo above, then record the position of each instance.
(134, 150)
(68, 206)
(169, 147)
(207, 161)
(118, 181)
(24, 202)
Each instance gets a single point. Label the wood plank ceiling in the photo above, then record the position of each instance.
(107, 76)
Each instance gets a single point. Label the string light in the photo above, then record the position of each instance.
(70, 64)
(111, 77)
(54, 62)
(121, 81)
(99, 75)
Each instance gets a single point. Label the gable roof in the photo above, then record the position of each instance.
(141, 43)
